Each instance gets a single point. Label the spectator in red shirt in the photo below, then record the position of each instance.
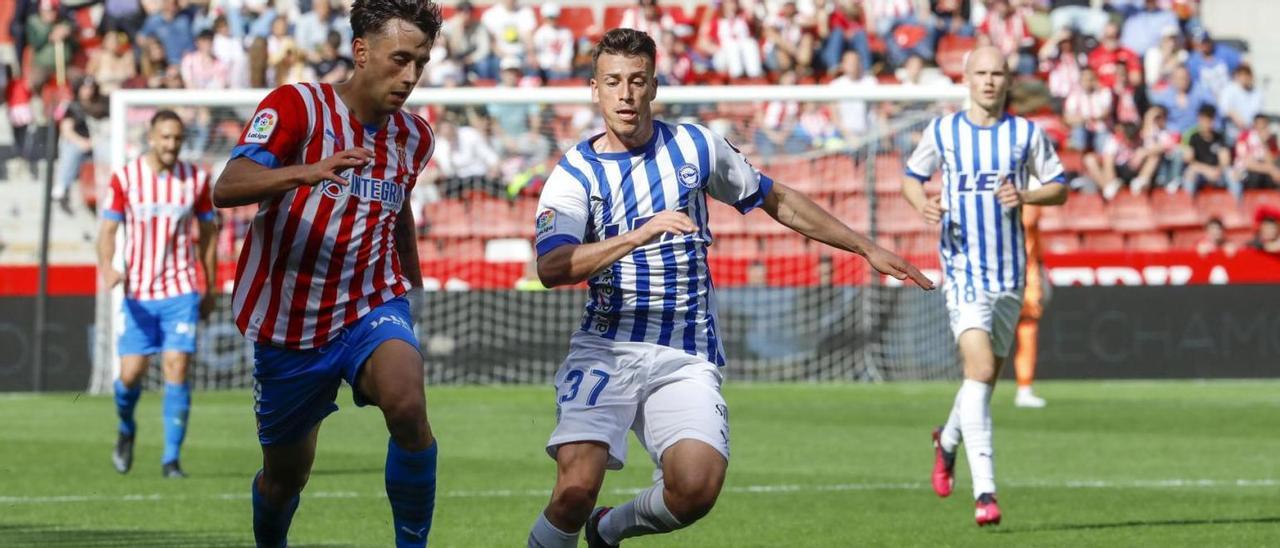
(1256, 154)
(843, 31)
(1007, 30)
(1114, 64)
(1061, 59)
(1088, 111)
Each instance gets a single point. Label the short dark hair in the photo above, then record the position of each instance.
(1215, 220)
(1207, 110)
(1244, 68)
(626, 42)
(206, 34)
(371, 16)
(166, 114)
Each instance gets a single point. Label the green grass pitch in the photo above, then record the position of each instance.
(1106, 464)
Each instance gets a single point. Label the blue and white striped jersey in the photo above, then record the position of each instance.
(662, 292)
(983, 246)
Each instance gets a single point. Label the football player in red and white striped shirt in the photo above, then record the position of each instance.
(155, 197)
(330, 264)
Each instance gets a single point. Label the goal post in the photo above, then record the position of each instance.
(790, 309)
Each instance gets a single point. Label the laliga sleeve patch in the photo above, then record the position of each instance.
(263, 125)
(546, 222)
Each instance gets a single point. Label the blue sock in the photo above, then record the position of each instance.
(411, 488)
(177, 403)
(270, 525)
(126, 401)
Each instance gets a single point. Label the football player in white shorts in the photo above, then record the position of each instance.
(991, 163)
(626, 211)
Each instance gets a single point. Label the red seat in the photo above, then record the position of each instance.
(579, 19)
(1103, 242)
(613, 16)
(792, 270)
(735, 246)
(1131, 213)
(1085, 212)
(1220, 204)
(724, 219)
(463, 249)
(1255, 199)
(1149, 242)
(916, 245)
(1186, 239)
(1175, 210)
(1052, 220)
(428, 250)
(760, 223)
(448, 219)
(494, 219)
(853, 211)
(951, 52)
(896, 216)
(1072, 160)
(778, 246)
(1062, 242)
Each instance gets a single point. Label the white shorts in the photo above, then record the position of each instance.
(995, 312)
(662, 394)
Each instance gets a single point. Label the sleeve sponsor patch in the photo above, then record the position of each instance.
(263, 125)
(546, 222)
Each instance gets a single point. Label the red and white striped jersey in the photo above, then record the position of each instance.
(318, 258)
(1094, 108)
(156, 210)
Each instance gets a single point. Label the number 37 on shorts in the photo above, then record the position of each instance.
(572, 386)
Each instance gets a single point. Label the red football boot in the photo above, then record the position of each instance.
(944, 464)
(986, 512)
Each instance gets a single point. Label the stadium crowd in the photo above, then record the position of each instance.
(1138, 94)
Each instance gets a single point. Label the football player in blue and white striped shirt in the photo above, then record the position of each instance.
(991, 164)
(626, 211)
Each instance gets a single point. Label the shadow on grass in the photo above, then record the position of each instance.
(24, 535)
(248, 474)
(1137, 523)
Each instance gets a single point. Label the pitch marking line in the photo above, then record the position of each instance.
(744, 489)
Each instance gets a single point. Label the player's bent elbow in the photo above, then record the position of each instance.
(223, 194)
(555, 268)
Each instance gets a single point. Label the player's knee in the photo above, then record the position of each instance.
(281, 485)
(130, 379)
(572, 501)
(692, 498)
(406, 420)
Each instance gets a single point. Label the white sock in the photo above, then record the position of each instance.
(975, 426)
(950, 437)
(546, 535)
(1025, 390)
(644, 515)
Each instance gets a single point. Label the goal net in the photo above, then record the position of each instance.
(790, 309)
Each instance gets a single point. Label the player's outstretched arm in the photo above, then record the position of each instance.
(797, 212)
(574, 263)
(245, 181)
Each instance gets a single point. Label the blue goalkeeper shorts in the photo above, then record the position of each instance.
(294, 390)
(159, 325)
